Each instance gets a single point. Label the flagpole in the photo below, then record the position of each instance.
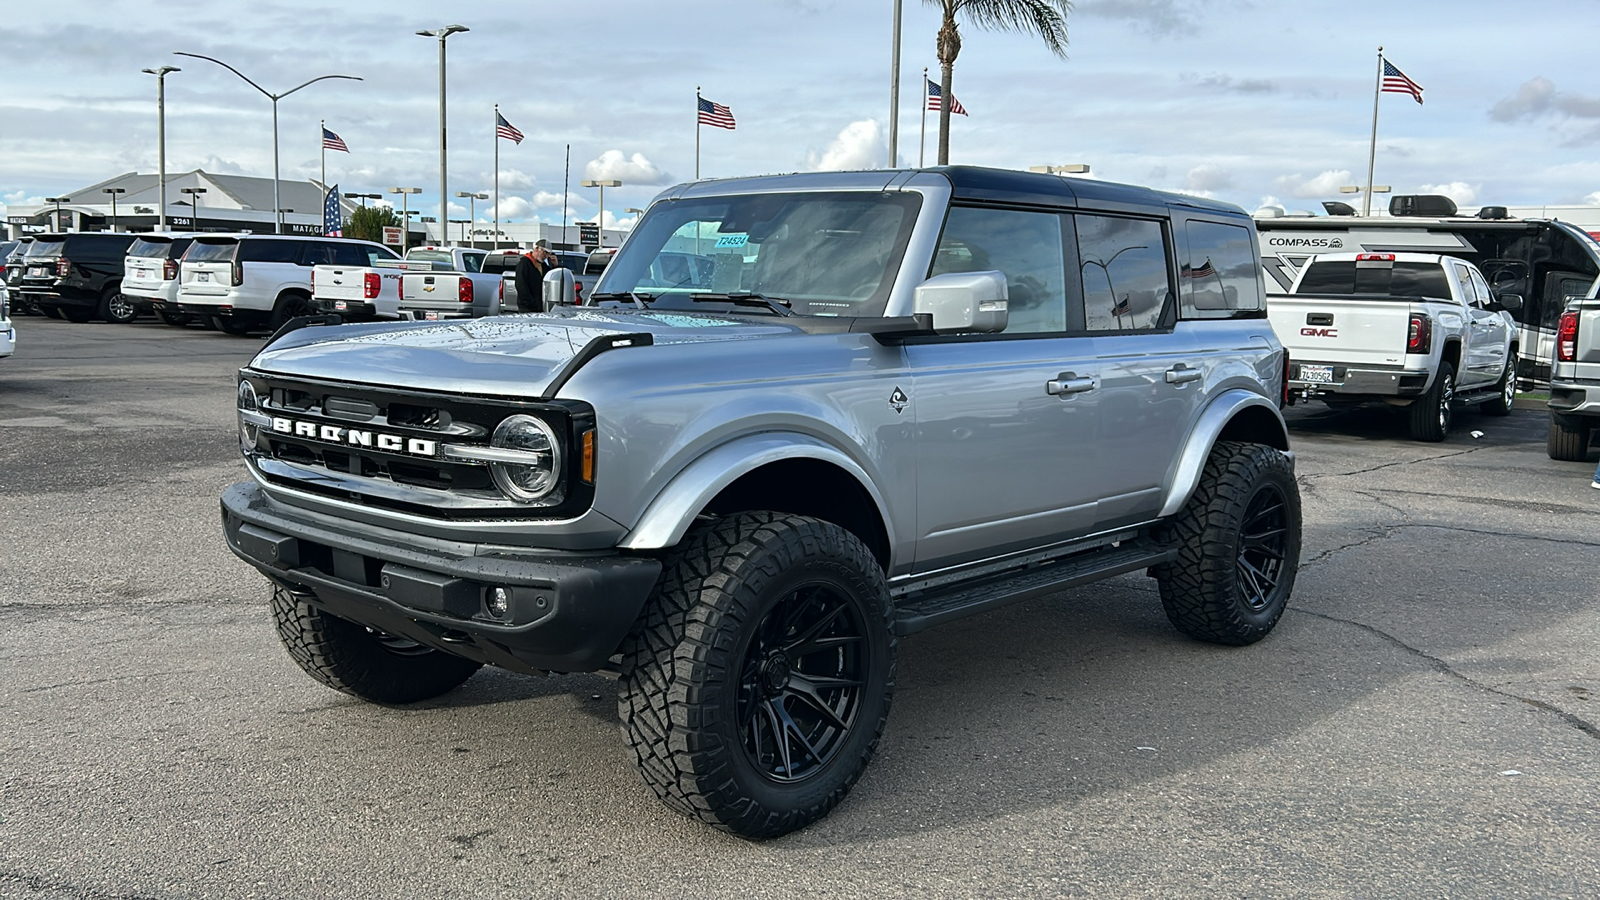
(894, 93)
(497, 176)
(566, 179)
(1372, 152)
(324, 145)
(922, 143)
(697, 132)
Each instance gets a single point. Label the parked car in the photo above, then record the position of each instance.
(78, 276)
(150, 274)
(1575, 381)
(8, 331)
(246, 282)
(457, 288)
(504, 263)
(1417, 331)
(364, 282)
(923, 395)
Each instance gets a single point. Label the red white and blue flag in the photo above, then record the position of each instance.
(331, 141)
(332, 216)
(936, 98)
(715, 114)
(1396, 82)
(504, 129)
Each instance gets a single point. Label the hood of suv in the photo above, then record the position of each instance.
(502, 355)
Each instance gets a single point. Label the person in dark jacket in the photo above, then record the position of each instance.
(530, 272)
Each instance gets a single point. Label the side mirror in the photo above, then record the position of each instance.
(559, 289)
(964, 302)
(1508, 302)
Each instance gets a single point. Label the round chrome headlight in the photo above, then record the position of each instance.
(539, 477)
(248, 403)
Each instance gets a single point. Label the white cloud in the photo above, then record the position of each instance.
(1206, 179)
(516, 180)
(511, 208)
(1322, 185)
(1459, 191)
(619, 223)
(633, 169)
(859, 146)
(1592, 199)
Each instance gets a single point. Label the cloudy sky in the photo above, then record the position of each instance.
(1249, 101)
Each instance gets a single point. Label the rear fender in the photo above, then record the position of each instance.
(669, 515)
(1234, 415)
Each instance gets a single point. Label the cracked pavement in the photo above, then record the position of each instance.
(1422, 723)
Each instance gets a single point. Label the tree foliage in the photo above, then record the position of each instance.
(368, 222)
(1045, 18)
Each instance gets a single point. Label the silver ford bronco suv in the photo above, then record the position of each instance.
(810, 415)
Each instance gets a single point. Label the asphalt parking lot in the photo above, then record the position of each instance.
(1425, 720)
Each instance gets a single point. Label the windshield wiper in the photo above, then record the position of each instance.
(776, 305)
(642, 301)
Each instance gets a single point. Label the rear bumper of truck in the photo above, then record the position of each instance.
(1574, 400)
(1357, 382)
(565, 611)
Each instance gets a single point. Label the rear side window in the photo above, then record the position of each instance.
(472, 262)
(99, 247)
(270, 251)
(1404, 279)
(211, 251)
(1124, 267)
(1220, 277)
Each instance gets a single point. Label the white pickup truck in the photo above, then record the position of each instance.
(378, 291)
(1415, 330)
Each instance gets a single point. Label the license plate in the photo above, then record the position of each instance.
(36, 271)
(340, 305)
(430, 316)
(202, 276)
(1317, 374)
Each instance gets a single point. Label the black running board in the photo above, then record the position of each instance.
(925, 610)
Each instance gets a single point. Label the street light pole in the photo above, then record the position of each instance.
(600, 219)
(472, 198)
(194, 204)
(276, 202)
(161, 137)
(113, 192)
(58, 201)
(405, 214)
(444, 195)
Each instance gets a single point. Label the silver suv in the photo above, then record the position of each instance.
(812, 415)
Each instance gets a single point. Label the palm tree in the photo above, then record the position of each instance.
(1046, 18)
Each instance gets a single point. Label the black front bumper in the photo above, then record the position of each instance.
(568, 612)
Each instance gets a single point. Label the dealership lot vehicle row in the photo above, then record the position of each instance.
(1440, 638)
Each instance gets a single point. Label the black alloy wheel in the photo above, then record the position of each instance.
(1263, 546)
(800, 687)
(290, 306)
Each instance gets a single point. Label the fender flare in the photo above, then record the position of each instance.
(1203, 437)
(668, 516)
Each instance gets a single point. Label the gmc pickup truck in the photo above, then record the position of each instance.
(1575, 381)
(906, 397)
(1418, 331)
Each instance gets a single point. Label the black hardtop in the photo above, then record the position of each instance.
(980, 183)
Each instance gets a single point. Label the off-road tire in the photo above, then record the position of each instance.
(361, 662)
(1505, 390)
(1431, 414)
(289, 306)
(230, 326)
(1567, 444)
(176, 320)
(705, 660)
(116, 308)
(1225, 586)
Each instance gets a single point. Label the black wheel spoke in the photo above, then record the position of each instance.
(792, 729)
(795, 646)
(780, 736)
(809, 692)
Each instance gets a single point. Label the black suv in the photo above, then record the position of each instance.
(11, 274)
(77, 276)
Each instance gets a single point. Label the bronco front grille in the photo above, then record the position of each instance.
(381, 447)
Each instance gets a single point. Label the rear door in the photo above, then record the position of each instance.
(1486, 338)
(207, 269)
(144, 269)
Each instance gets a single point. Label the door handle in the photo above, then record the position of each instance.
(1068, 383)
(1182, 374)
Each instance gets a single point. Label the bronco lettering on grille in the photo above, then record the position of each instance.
(355, 437)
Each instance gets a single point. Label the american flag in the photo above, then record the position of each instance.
(715, 114)
(332, 218)
(504, 129)
(1203, 271)
(1396, 82)
(332, 141)
(1123, 307)
(936, 96)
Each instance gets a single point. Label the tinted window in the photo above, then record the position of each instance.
(472, 262)
(6, 247)
(1221, 272)
(1464, 275)
(1026, 246)
(1123, 263)
(1381, 276)
(270, 251)
(179, 247)
(323, 253)
(46, 247)
(499, 262)
(211, 251)
(98, 246)
(151, 248)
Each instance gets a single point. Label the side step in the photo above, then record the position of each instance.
(1463, 400)
(936, 607)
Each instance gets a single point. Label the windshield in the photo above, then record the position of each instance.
(826, 254)
(151, 248)
(46, 247)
